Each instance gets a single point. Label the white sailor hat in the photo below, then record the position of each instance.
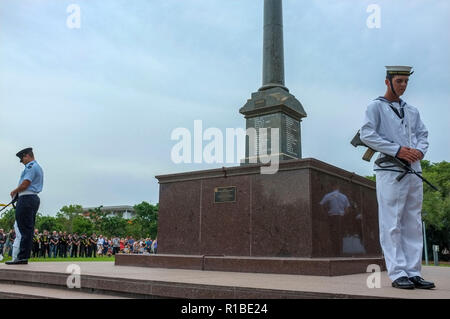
(398, 70)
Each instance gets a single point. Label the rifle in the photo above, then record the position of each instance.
(406, 167)
(356, 141)
(14, 200)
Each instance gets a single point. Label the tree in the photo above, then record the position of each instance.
(71, 211)
(96, 216)
(82, 225)
(49, 223)
(133, 229)
(145, 223)
(436, 205)
(7, 219)
(112, 226)
(71, 219)
(66, 215)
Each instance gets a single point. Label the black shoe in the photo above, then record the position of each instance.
(420, 283)
(17, 262)
(403, 283)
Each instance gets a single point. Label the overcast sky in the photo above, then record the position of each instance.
(99, 103)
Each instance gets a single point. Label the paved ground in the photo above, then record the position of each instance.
(345, 285)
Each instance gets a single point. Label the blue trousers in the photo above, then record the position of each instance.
(26, 209)
(53, 250)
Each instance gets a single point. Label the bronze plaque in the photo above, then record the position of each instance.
(225, 194)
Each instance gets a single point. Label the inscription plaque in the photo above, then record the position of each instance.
(264, 143)
(292, 130)
(225, 194)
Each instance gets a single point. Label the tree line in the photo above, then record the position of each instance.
(70, 219)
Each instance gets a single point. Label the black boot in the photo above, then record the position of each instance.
(420, 283)
(17, 262)
(403, 283)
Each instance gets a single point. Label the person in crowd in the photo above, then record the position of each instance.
(63, 244)
(136, 247)
(2, 241)
(10, 241)
(83, 245)
(122, 245)
(93, 245)
(69, 245)
(75, 245)
(106, 245)
(36, 244)
(58, 246)
(109, 253)
(45, 244)
(142, 250)
(54, 241)
(131, 241)
(155, 245)
(148, 245)
(100, 243)
(116, 245)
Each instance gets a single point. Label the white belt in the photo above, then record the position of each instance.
(27, 193)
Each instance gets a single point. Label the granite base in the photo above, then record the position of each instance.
(292, 266)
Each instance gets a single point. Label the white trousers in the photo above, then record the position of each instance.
(400, 222)
(17, 240)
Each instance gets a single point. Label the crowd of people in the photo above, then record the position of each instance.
(60, 244)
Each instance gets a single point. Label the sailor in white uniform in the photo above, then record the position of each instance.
(393, 127)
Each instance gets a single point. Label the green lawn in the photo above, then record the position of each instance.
(441, 264)
(78, 259)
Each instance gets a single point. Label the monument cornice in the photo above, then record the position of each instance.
(254, 169)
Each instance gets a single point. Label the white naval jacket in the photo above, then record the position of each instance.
(384, 131)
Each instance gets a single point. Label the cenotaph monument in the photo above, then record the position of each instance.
(273, 106)
(307, 218)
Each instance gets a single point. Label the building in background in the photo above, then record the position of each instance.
(124, 211)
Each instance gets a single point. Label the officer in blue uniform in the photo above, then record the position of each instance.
(30, 185)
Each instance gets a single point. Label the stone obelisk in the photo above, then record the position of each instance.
(273, 106)
(273, 51)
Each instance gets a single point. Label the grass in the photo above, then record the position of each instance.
(78, 259)
(441, 263)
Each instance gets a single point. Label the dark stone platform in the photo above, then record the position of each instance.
(309, 217)
(291, 266)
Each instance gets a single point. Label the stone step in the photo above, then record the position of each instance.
(16, 291)
(131, 282)
(147, 282)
